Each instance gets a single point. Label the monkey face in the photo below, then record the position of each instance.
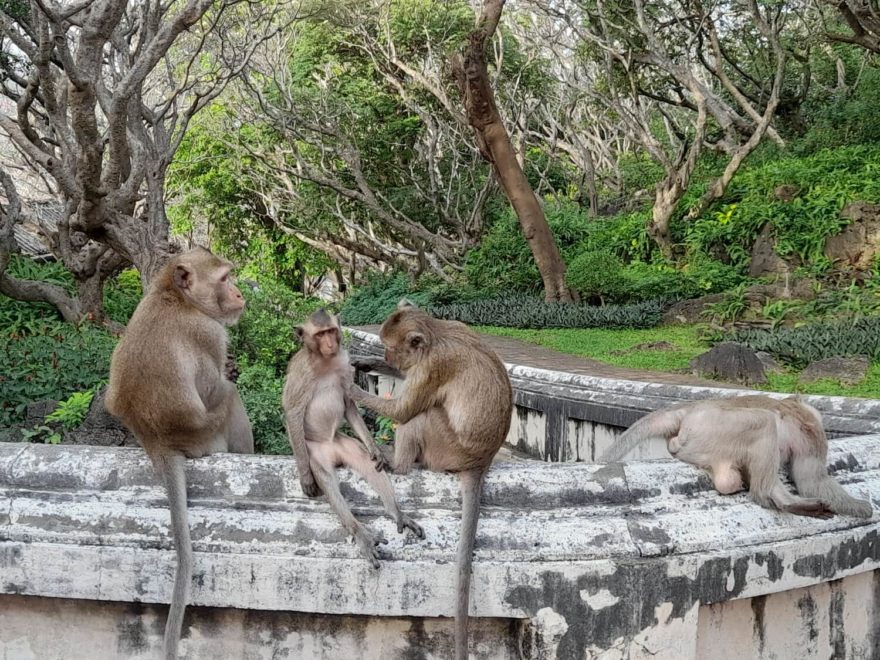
(206, 282)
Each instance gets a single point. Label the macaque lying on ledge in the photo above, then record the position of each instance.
(741, 442)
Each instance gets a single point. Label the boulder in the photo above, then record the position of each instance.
(100, 428)
(855, 246)
(845, 370)
(35, 413)
(686, 312)
(732, 362)
(771, 366)
(764, 260)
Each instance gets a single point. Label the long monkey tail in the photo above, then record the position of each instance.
(659, 424)
(172, 470)
(471, 483)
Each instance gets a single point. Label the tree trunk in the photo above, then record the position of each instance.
(90, 292)
(495, 146)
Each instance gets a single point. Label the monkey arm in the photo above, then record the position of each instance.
(294, 421)
(413, 400)
(354, 419)
(377, 364)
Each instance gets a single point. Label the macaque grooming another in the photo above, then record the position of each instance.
(315, 400)
(743, 440)
(167, 386)
(454, 414)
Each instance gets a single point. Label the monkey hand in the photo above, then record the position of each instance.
(309, 486)
(379, 459)
(404, 522)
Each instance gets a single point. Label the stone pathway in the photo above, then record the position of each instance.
(516, 351)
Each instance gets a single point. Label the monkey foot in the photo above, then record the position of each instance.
(381, 462)
(405, 522)
(812, 508)
(369, 545)
(310, 488)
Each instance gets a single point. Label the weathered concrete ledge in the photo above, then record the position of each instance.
(571, 559)
(562, 417)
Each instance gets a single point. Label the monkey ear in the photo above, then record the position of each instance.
(182, 277)
(415, 339)
(405, 303)
(298, 333)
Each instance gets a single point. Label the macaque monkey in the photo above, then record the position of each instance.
(167, 386)
(454, 413)
(316, 400)
(742, 441)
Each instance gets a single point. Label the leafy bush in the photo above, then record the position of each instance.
(264, 335)
(71, 412)
(598, 273)
(521, 311)
(374, 301)
(799, 346)
(46, 358)
(122, 295)
(261, 387)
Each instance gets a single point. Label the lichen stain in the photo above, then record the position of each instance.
(842, 557)
(641, 587)
(807, 607)
(775, 567)
(759, 603)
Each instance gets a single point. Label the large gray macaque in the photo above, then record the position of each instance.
(742, 442)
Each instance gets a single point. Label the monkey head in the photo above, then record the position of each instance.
(321, 334)
(407, 334)
(204, 281)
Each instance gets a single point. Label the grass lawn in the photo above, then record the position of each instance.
(613, 347)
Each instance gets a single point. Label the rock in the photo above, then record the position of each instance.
(36, 412)
(731, 361)
(647, 346)
(845, 370)
(690, 311)
(855, 246)
(786, 192)
(100, 428)
(764, 260)
(771, 366)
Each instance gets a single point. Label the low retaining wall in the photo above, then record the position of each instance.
(572, 560)
(562, 417)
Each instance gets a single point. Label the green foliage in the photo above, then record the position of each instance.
(374, 301)
(730, 307)
(799, 346)
(521, 311)
(46, 358)
(71, 412)
(41, 433)
(261, 387)
(384, 431)
(122, 294)
(826, 181)
(597, 273)
(264, 334)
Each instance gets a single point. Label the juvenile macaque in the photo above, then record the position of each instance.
(741, 441)
(316, 400)
(454, 414)
(167, 386)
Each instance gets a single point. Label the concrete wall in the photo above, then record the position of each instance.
(561, 417)
(572, 560)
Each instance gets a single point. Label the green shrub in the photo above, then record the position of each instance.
(264, 334)
(261, 387)
(71, 412)
(374, 301)
(122, 294)
(45, 358)
(799, 346)
(596, 273)
(521, 311)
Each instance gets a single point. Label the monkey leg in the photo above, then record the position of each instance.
(766, 488)
(238, 431)
(355, 456)
(324, 457)
(812, 480)
(430, 438)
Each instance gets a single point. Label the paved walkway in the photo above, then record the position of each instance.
(515, 351)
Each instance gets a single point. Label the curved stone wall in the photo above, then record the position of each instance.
(562, 417)
(571, 558)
